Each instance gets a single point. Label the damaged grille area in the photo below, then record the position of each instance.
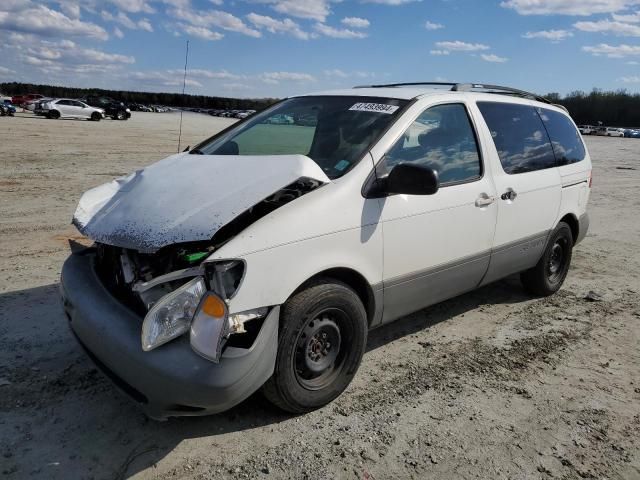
(118, 269)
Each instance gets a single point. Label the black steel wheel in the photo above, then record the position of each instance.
(95, 116)
(322, 337)
(549, 274)
(54, 114)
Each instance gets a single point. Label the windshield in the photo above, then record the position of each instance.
(335, 132)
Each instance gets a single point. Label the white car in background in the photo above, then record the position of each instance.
(611, 132)
(69, 108)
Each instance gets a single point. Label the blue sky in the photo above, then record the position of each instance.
(258, 48)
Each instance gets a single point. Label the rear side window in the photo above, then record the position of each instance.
(566, 141)
(519, 136)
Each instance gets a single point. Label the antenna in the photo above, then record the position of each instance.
(184, 86)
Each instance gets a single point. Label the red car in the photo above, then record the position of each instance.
(24, 99)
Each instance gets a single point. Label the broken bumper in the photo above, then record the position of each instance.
(172, 380)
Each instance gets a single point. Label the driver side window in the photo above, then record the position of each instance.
(441, 138)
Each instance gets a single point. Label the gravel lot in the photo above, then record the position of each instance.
(493, 384)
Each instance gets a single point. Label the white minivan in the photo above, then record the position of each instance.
(262, 257)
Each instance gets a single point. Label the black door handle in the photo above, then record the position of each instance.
(509, 195)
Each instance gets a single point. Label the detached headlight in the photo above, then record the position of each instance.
(171, 316)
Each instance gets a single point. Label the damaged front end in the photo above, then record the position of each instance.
(178, 291)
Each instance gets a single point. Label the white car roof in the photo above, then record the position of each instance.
(409, 92)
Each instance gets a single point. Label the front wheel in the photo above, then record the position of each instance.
(323, 335)
(54, 114)
(120, 115)
(548, 275)
(95, 116)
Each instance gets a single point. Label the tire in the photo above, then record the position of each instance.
(95, 116)
(53, 114)
(120, 115)
(310, 371)
(549, 274)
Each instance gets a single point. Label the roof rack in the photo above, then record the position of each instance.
(467, 87)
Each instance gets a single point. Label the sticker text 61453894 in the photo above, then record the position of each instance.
(374, 107)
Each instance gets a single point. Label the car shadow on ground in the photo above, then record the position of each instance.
(75, 415)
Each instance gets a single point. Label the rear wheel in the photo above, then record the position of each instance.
(95, 116)
(323, 334)
(120, 115)
(548, 275)
(54, 114)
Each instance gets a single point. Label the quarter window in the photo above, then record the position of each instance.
(565, 139)
(441, 138)
(519, 136)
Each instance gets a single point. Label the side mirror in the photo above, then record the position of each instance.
(411, 179)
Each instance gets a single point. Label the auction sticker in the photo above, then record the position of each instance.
(374, 107)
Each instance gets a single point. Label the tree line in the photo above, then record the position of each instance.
(614, 109)
(619, 108)
(146, 98)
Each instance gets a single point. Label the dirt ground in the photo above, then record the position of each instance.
(490, 385)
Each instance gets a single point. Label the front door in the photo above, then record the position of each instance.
(437, 246)
(528, 185)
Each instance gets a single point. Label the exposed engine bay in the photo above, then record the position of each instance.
(140, 279)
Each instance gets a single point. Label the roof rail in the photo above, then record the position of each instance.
(467, 87)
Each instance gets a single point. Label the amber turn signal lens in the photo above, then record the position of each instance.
(213, 306)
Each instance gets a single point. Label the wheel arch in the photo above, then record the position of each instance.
(353, 279)
(572, 220)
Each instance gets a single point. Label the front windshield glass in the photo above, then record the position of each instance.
(334, 131)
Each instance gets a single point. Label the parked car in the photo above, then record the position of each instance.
(632, 133)
(587, 129)
(262, 257)
(22, 100)
(610, 132)
(281, 119)
(69, 108)
(7, 108)
(112, 108)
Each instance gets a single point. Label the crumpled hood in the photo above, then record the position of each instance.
(184, 197)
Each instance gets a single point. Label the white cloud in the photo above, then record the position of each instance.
(286, 26)
(608, 26)
(355, 22)
(630, 18)
(433, 26)
(631, 79)
(43, 21)
(133, 6)
(124, 20)
(214, 18)
(553, 35)
(201, 32)
(117, 32)
(458, 46)
(338, 32)
(144, 24)
(439, 52)
(567, 7)
(493, 58)
(236, 86)
(6, 71)
(612, 51)
(310, 9)
(391, 2)
(210, 74)
(277, 77)
(336, 72)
